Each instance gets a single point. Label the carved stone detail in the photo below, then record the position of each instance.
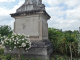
(30, 5)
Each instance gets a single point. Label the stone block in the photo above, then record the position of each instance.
(38, 50)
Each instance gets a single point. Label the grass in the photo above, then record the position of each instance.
(54, 57)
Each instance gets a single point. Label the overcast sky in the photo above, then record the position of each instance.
(65, 14)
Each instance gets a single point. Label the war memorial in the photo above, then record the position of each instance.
(31, 19)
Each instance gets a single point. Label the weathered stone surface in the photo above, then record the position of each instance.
(31, 5)
(35, 26)
(38, 50)
(31, 19)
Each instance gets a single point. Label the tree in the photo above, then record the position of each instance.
(17, 41)
(54, 36)
(70, 38)
(5, 30)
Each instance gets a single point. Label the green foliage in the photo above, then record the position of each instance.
(5, 30)
(61, 39)
(69, 38)
(22, 58)
(58, 57)
(8, 57)
(54, 36)
(17, 41)
(1, 51)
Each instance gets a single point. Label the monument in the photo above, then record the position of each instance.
(31, 19)
(79, 42)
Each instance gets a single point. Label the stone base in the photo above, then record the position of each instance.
(38, 50)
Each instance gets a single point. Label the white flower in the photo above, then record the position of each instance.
(20, 46)
(14, 33)
(28, 35)
(26, 51)
(10, 40)
(14, 42)
(4, 36)
(10, 47)
(14, 46)
(2, 42)
(30, 43)
(7, 42)
(23, 44)
(6, 39)
(1, 37)
(19, 34)
(26, 41)
(22, 39)
(9, 50)
(16, 38)
(27, 48)
(17, 42)
(13, 38)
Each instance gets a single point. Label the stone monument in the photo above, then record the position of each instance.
(79, 42)
(31, 19)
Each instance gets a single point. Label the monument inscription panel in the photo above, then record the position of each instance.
(27, 25)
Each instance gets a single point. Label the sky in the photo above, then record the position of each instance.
(65, 14)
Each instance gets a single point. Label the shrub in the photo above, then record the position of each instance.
(1, 51)
(61, 39)
(17, 41)
(8, 57)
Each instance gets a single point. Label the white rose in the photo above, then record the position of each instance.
(22, 39)
(10, 40)
(14, 46)
(17, 42)
(26, 41)
(14, 42)
(23, 44)
(28, 35)
(26, 51)
(9, 50)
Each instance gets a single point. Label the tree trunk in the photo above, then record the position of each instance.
(70, 51)
(18, 54)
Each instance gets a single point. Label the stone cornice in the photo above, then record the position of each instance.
(31, 13)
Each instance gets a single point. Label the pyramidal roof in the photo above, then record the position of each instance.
(30, 5)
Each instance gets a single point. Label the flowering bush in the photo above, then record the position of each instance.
(17, 41)
(2, 38)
